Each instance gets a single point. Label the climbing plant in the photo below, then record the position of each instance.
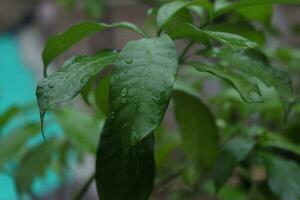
(217, 137)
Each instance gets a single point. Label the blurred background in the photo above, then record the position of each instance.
(67, 161)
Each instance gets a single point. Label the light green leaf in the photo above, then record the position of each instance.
(84, 134)
(197, 127)
(252, 65)
(122, 170)
(204, 36)
(235, 151)
(58, 44)
(169, 10)
(14, 144)
(69, 80)
(222, 7)
(141, 85)
(283, 177)
(34, 164)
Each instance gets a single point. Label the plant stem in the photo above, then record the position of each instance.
(185, 51)
(85, 188)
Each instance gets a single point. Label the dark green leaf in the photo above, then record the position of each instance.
(124, 171)
(141, 85)
(69, 80)
(204, 36)
(283, 177)
(58, 44)
(224, 6)
(234, 152)
(169, 10)
(34, 164)
(102, 94)
(198, 129)
(251, 65)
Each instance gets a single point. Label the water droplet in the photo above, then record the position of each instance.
(113, 115)
(50, 85)
(130, 93)
(125, 71)
(129, 61)
(124, 100)
(116, 77)
(84, 79)
(251, 44)
(142, 87)
(124, 92)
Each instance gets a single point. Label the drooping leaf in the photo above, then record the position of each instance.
(58, 44)
(204, 36)
(169, 10)
(224, 6)
(197, 127)
(14, 144)
(84, 133)
(34, 164)
(235, 151)
(252, 65)
(102, 94)
(68, 81)
(141, 85)
(122, 170)
(283, 177)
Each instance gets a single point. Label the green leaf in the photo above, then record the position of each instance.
(222, 7)
(124, 171)
(84, 133)
(198, 128)
(34, 164)
(235, 151)
(252, 65)
(58, 44)
(102, 94)
(278, 141)
(168, 11)
(283, 177)
(204, 36)
(248, 90)
(15, 143)
(94, 8)
(69, 80)
(141, 85)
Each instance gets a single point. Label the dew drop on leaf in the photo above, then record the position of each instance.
(129, 61)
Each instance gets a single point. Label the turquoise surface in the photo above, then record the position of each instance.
(17, 87)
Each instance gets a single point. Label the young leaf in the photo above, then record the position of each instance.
(197, 127)
(141, 85)
(58, 44)
(222, 8)
(190, 31)
(253, 65)
(68, 81)
(122, 170)
(169, 10)
(234, 152)
(283, 177)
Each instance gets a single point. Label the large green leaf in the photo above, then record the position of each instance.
(169, 10)
(204, 36)
(34, 164)
(283, 177)
(124, 171)
(197, 127)
(141, 85)
(224, 6)
(251, 65)
(234, 152)
(15, 144)
(68, 81)
(58, 44)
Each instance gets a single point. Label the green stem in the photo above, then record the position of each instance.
(85, 188)
(185, 51)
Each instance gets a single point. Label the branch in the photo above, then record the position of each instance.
(85, 188)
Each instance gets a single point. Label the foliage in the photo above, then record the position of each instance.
(238, 134)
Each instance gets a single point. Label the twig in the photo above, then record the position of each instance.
(84, 189)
